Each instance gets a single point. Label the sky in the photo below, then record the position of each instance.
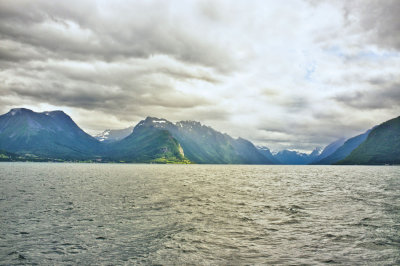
(295, 74)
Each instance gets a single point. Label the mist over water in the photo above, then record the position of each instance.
(198, 214)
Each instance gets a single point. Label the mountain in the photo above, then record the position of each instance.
(328, 150)
(202, 144)
(344, 150)
(111, 135)
(295, 157)
(266, 152)
(382, 146)
(48, 134)
(146, 144)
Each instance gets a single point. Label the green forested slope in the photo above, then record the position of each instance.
(381, 147)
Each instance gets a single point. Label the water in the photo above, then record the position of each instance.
(198, 214)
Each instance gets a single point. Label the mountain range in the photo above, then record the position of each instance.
(54, 136)
(295, 157)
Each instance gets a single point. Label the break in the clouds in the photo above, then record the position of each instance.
(293, 75)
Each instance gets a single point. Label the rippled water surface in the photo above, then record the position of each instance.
(198, 214)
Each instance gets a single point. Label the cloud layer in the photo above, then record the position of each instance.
(294, 75)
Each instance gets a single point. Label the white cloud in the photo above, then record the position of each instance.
(286, 75)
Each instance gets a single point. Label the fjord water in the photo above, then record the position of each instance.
(198, 214)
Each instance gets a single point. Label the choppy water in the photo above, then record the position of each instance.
(198, 214)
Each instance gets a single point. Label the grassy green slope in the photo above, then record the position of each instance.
(147, 145)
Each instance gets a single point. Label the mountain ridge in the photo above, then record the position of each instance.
(53, 135)
(203, 144)
(343, 151)
(382, 146)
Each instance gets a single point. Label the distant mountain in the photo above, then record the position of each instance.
(146, 144)
(267, 153)
(295, 157)
(111, 135)
(382, 146)
(202, 144)
(344, 150)
(328, 150)
(48, 134)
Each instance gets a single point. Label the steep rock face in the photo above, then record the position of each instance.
(202, 144)
(48, 134)
(344, 150)
(382, 146)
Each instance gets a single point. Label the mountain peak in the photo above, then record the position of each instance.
(56, 113)
(263, 148)
(155, 120)
(189, 122)
(112, 135)
(317, 151)
(18, 111)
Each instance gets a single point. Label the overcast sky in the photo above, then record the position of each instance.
(286, 74)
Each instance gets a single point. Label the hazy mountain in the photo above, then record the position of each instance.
(202, 144)
(295, 157)
(381, 147)
(111, 135)
(329, 149)
(267, 153)
(48, 134)
(344, 150)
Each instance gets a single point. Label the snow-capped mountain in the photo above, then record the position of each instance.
(295, 157)
(111, 135)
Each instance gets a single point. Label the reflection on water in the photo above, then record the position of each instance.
(198, 214)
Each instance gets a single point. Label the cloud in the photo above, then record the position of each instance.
(380, 21)
(281, 75)
(111, 32)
